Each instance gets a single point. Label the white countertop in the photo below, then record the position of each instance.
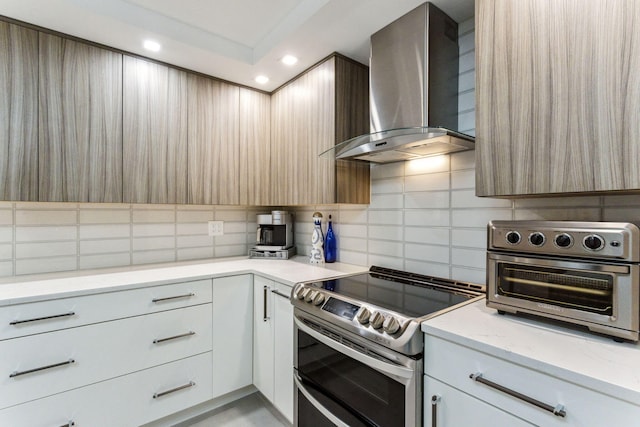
(16, 290)
(573, 355)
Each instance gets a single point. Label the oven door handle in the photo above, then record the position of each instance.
(324, 411)
(385, 368)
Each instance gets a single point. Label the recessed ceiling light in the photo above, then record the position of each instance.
(289, 60)
(262, 79)
(151, 45)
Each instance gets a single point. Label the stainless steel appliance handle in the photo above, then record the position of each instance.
(157, 300)
(42, 368)
(385, 368)
(160, 340)
(37, 319)
(564, 263)
(173, 390)
(324, 411)
(435, 399)
(557, 410)
(280, 294)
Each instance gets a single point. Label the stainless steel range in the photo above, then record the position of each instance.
(359, 346)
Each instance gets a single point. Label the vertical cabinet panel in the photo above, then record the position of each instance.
(18, 113)
(255, 148)
(80, 122)
(155, 133)
(213, 141)
(558, 107)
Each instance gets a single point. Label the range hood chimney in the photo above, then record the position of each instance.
(413, 91)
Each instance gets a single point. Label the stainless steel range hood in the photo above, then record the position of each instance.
(414, 91)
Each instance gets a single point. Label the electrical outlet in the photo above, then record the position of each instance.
(216, 228)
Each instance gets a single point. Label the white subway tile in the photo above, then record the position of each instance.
(353, 216)
(6, 234)
(467, 62)
(467, 122)
(463, 179)
(385, 217)
(388, 170)
(6, 217)
(105, 216)
(105, 260)
(468, 199)
(438, 236)
(428, 165)
(623, 200)
(469, 238)
(622, 214)
(427, 253)
(478, 217)
(467, 101)
(46, 217)
(6, 251)
(559, 214)
(556, 202)
(384, 247)
(235, 227)
(231, 250)
(230, 215)
(149, 207)
(467, 81)
(387, 261)
(142, 230)
(390, 185)
(150, 257)
(231, 239)
(194, 216)
(475, 258)
(193, 229)
(45, 249)
(355, 258)
(46, 234)
(469, 275)
(427, 200)
(153, 216)
(6, 268)
(104, 246)
(105, 231)
(466, 42)
(382, 201)
(6, 205)
(186, 254)
(463, 160)
(45, 265)
(428, 182)
(385, 232)
(195, 241)
(153, 243)
(105, 206)
(428, 268)
(352, 230)
(427, 218)
(466, 26)
(45, 206)
(352, 244)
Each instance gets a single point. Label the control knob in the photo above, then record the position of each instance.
(536, 239)
(300, 292)
(513, 237)
(318, 299)
(377, 319)
(563, 240)
(309, 296)
(391, 325)
(593, 242)
(363, 316)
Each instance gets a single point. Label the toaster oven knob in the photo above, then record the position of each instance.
(318, 299)
(377, 319)
(536, 239)
(363, 316)
(391, 325)
(593, 242)
(513, 237)
(564, 240)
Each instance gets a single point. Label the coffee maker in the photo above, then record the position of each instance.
(274, 236)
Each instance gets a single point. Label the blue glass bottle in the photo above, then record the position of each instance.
(330, 244)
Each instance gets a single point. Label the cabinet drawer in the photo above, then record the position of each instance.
(453, 364)
(29, 365)
(123, 401)
(44, 316)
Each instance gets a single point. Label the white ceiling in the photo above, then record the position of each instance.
(235, 40)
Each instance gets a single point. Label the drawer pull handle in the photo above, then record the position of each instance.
(557, 410)
(30, 371)
(161, 340)
(157, 300)
(434, 410)
(69, 424)
(280, 294)
(37, 319)
(173, 390)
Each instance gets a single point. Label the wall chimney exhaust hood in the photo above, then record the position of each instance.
(413, 91)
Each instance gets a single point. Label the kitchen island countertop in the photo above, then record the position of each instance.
(24, 289)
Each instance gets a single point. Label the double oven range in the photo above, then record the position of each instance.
(359, 347)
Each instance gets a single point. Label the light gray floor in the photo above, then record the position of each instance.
(252, 410)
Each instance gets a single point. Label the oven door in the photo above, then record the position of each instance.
(593, 294)
(344, 380)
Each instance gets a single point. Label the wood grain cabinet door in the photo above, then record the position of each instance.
(80, 122)
(557, 96)
(155, 133)
(213, 142)
(255, 148)
(18, 113)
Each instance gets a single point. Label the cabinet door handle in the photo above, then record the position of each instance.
(37, 319)
(265, 294)
(434, 410)
(160, 340)
(280, 294)
(173, 390)
(30, 371)
(157, 300)
(69, 424)
(557, 410)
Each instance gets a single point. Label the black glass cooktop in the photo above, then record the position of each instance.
(410, 294)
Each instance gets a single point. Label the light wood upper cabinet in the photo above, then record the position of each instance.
(18, 113)
(155, 133)
(213, 141)
(80, 122)
(255, 148)
(557, 96)
(325, 105)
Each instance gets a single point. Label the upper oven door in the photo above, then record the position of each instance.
(349, 382)
(582, 290)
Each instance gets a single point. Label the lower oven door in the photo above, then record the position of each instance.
(602, 296)
(344, 380)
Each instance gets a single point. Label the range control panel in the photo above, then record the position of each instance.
(597, 240)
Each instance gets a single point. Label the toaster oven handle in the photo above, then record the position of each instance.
(557, 410)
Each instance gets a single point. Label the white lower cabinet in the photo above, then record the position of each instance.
(273, 343)
(515, 389)
(130, 400)
(232, 333)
